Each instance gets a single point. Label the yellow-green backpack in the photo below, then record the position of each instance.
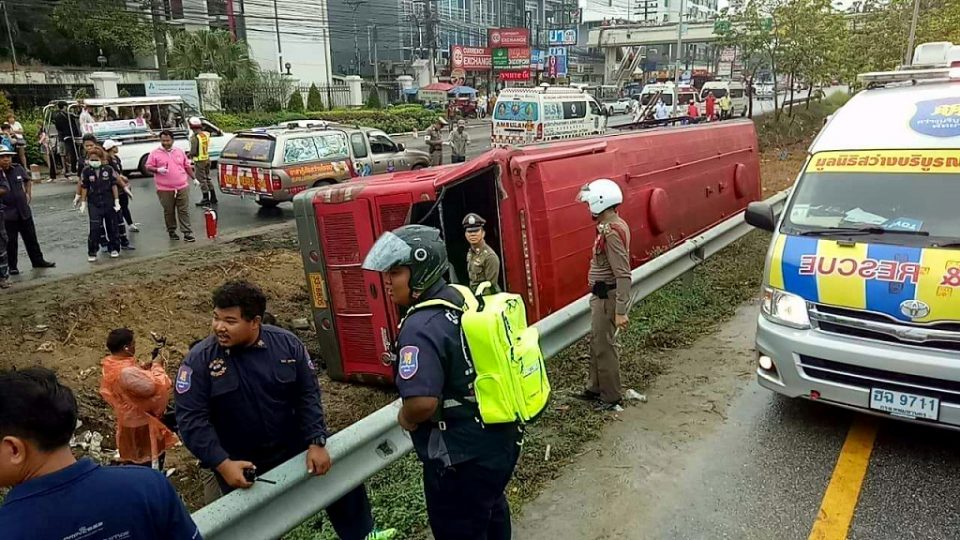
(511, 383)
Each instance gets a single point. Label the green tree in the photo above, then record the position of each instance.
(209, 51)
(314, 99)
(295, 104)
(748, 30)
(373, 101)
(102, 24)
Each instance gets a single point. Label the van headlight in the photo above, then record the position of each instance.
(784, 308)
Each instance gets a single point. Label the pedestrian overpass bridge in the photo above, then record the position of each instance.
(627, 36)
(626, 47)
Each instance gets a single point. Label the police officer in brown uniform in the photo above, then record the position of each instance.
(482, 263)
(435, 141)
(609, 280)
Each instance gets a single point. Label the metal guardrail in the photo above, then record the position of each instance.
(373, 443)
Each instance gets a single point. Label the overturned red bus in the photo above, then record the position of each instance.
(676, 182)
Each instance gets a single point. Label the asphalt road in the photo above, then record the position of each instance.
(686, 465)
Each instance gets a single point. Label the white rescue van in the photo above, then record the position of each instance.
(666, 91)
(861, 292)
(546, 113)
(736, 90)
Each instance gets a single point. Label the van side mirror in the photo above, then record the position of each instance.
(401, 147)
(760, 215)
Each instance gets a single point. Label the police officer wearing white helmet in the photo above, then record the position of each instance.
(609, 281)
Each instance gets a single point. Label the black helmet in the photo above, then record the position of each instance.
(417, 246)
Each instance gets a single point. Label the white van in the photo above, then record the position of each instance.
(666, 91)
(736, 89)
(136, 122)
(545, 113)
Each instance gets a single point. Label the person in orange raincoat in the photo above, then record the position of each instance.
(139, 397)
(711, 106)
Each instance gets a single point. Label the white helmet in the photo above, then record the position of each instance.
(601, 194)
(194, 121)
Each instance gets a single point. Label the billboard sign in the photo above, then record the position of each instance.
(563, 37)
(470, 58)
(513, 58)
(185, 89)
(508, 37)
(520, 75)
(537, 59)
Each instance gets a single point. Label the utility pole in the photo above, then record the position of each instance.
(676, 76)
(276, 23)
(13, 48)
(430, 18)
(355, 5)
(372, 51)
(159, 36)
(913, 33)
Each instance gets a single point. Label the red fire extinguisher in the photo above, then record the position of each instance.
(210, 218)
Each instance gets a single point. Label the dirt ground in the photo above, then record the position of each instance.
(63, 325)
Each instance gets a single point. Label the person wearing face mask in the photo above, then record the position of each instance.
(100, 196)
(53, 494)
(139, 397)
(247, 400)
(609, 280)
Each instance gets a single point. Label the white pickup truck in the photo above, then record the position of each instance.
(136, 122)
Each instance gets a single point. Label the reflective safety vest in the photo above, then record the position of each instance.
(203, 146)
(511, 379)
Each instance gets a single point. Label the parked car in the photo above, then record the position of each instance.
(274, 163)
(374, 152)
(624, 105)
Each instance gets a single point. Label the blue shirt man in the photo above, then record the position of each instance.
(97, 502)
(56, 496)
(248, 398)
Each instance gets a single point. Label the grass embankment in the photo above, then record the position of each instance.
(671, 318)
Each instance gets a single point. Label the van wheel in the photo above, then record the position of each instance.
(418, 166)
(268, 203)
(142, 166)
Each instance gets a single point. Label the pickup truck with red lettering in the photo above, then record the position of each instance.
(274, 164)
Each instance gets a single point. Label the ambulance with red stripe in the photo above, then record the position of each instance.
(861, 295)
(545, 113)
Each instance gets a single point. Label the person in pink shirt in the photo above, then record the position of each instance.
(172, 172)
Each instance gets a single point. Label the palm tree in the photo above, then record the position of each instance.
(210, 51)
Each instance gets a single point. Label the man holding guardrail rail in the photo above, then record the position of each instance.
(248, 400)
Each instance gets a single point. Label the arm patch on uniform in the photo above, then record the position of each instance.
(184, 375)
(408, 362)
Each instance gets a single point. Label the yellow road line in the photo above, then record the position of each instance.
(840, 499)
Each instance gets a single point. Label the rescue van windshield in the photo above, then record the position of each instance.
(875, 194)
